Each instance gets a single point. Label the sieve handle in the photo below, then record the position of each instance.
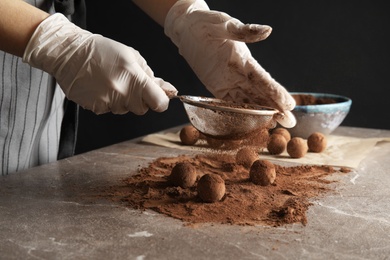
(284, 120)
(171, 94)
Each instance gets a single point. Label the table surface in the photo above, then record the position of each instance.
(43, 214)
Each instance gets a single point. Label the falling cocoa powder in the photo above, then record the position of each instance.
(257, 140)
(285, 201)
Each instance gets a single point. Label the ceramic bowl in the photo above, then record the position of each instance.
(323, 118)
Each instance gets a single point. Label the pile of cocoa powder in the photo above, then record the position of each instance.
(284, 202)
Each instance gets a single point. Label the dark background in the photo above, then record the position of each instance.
(338, 47)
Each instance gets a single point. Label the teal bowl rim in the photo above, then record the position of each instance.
(343, 103)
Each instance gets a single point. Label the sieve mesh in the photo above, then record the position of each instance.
(226, 120)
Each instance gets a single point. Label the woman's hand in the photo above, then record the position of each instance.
(214, 45)
(98, 73)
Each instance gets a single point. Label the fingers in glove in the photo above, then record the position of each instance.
(226, 27)
(261, 81)
(149, 94)
(155, 89)
(247, 32)
(252, 84)
(154, 95)
(276, 95)
(168, 88)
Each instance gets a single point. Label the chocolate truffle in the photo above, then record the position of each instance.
(276, 144)
(189, 135)
(262, 172)
(183, 174)
(316, 142)
(282, 131)
(246, 156)
(211, 188)
(297, 147)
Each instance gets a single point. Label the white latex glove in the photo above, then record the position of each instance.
(213, 44)
(99, 74)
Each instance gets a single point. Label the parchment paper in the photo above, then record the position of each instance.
(342, 151)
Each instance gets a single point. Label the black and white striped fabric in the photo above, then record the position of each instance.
(31, 115)
(31, 112)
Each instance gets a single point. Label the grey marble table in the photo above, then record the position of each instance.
(44, 215)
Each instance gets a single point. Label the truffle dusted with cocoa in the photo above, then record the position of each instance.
(189, 135)
(282, 131)
(183, 174)
(262, 172)
(246, 156)
(276, 144)
(211, 188)
(297, 147)
(317, 142)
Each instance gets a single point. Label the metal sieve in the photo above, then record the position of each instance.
(226, 120)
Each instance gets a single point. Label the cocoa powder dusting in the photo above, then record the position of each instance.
(285, 201)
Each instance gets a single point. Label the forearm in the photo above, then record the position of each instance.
(18, 21)
(156, 9)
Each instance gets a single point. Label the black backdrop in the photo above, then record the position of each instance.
(338, 47)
